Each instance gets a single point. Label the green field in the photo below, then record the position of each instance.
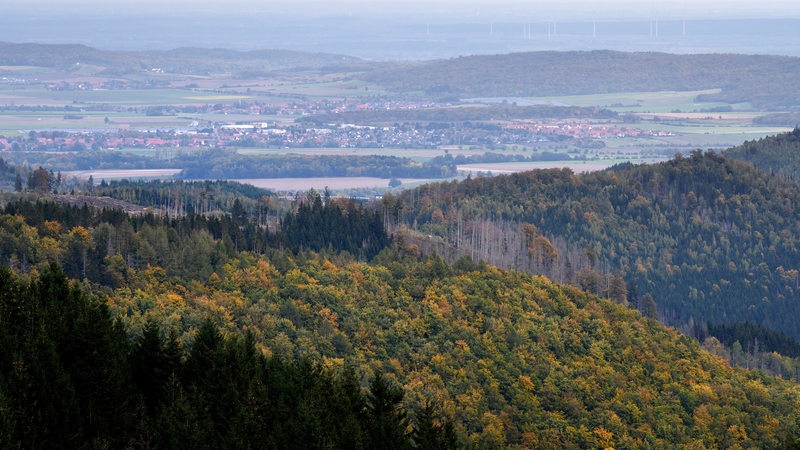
(720, 129)
(657, 102)
(121, 97)
(336, 88)
(14, 123)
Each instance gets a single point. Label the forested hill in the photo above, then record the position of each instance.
(512, 360)
(70, 377)
(779, 154)
(711, 239)
(181, 60)
(766, 81)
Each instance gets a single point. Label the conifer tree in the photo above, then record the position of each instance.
(388, 422)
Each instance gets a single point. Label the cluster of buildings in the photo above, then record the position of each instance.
(270, 135)
(584, 130)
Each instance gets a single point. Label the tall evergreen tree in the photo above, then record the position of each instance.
(388, 422)
(432, 433)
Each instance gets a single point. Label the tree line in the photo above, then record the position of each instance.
(102, 245)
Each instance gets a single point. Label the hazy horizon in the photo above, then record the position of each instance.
(385, 30)
(615, 8)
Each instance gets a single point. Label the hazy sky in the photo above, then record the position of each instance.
(562, 9)
(398, 29)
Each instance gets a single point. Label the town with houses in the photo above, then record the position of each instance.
(284, 125)
(270, 135)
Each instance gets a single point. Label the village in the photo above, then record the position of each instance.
(529, 134)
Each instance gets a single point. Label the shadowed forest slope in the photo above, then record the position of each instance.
(710, 239)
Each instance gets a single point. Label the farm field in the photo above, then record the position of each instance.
(12, 124)
(126, 97)
(682, 142)
(640, 102)
(338, 88)
(711, 127)
(132, 174)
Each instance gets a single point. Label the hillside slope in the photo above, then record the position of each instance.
(516, 360)
(711, 239)
(765, 81)
(181, 60)
(779, 154)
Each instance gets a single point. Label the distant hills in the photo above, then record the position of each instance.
(765, 81)
(181, 61)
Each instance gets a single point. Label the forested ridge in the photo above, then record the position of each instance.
(180, 60)
(779, 154)
(512, 360)
(218, 164)
(227, 164)
(710, 239)
(179, 198)
(764, 81)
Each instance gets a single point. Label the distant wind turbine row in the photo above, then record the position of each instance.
(528, 28)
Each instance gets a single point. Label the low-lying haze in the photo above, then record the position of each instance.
(410, 30)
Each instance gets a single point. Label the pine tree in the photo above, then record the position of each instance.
(388, 422)
(649, 307)
(432, 434)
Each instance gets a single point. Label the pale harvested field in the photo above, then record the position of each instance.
(111, 174)
(703, 115)
(498, 168)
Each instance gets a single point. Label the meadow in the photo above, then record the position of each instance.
(640, 102)
(131, 174)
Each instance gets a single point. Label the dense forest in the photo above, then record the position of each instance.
(223, 164)
(72, 377)
(764, 81)
(779, 154)
(228, 164)
(103, 245)
(336, 225)
(709, 239)
(511, 360)
(179, 198)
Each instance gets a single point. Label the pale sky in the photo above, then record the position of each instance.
(611, 9)
(399, 29)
